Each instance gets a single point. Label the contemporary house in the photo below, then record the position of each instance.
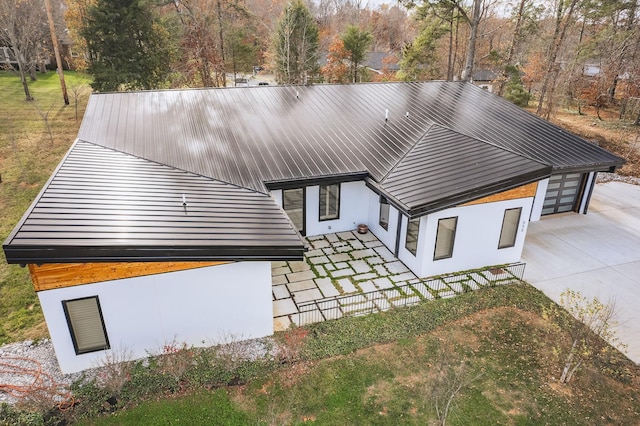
(162, 220)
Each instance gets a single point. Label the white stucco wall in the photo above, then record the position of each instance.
(541, 191)
(476, 239)
(587, 189)
(388, 236)
(199, 307)
(353, 208)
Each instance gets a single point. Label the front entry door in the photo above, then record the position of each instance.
(293, 204)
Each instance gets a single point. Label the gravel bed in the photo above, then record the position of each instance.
(614, 177)
(21, 362)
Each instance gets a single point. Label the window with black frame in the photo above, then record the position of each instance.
(329, 201)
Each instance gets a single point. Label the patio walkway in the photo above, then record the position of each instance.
(348, 263)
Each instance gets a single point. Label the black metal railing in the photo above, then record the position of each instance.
(413, 292)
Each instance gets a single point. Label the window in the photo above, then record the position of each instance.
(293, 205)
(413, 230)
(509, 230)
(84, 318)
(329, 201)
(384, 214)
(445, 237)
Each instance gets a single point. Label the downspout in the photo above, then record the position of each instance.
(398, 229)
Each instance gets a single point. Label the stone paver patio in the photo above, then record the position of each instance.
(349, 263)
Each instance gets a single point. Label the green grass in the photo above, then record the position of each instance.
(28, 155)
(372, 378)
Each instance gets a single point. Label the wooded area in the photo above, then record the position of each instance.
(557, 52)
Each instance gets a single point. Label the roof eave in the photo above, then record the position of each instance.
(39, 255)
(477, 193)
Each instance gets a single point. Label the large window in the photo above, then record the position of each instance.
(330, 201)
(293, 204)
(509, 230)
(384, 214)
(84, 318)
(445, 237)
(413, 230)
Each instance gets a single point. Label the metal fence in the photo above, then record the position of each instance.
(413, 292)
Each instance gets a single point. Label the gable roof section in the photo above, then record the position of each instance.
(249, 136)
(446, 168)
(103, 205)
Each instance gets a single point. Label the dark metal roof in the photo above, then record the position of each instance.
(446, 168)
(103, 205)
(224, 147)
(247, 136)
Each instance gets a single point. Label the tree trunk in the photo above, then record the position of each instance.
(550, 77)
(56, 51)
(514, 41)
(473, 35)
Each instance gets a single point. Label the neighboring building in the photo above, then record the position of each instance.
(484, 79)
(162, 220)
(382, 62)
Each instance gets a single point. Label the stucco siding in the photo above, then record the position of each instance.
(538, 202)
(388, 236)
(199, 307)
(476, 239)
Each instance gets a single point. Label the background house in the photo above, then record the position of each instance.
(162, 220)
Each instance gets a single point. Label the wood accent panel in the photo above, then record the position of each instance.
(58, 275)
(524, 191)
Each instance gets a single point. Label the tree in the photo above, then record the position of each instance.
(589, 334)
(130, 47)
(514, 91)
(23, 28)
(356, 43)
(336, 70)
(295, 44)
(419, 56)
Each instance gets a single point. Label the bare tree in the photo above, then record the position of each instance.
(23, 28)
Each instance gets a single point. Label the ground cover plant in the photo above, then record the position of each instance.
(483, 357)
(33, 138)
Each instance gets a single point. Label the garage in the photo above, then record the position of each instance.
(563, 193)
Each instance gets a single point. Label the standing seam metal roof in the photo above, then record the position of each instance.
(117, 195)
(103, 203)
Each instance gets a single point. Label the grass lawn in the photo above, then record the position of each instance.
(502, 357)
(29, 152)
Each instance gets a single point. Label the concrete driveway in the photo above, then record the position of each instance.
(597, 254)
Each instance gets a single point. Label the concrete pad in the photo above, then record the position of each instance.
(319, 259)
(403, 277)
(347, 286)
(375, 260)
(383, 282)
(356, 245)
(332, 238)
(339, 257)
(301, 276)
(367, 286)
(366, 237)
(320, 244)
(367, 276)
(320, 271)
(360, 266)
(280, 292)
(597, 254)
(341, 273)
(384, 253)
(281, 323)
(346, 235)
(299, 266)
(280, 271)
(396, 267)
(307, 295)
(279, 279)
(327, 288)
(381, 270)
(301, 285)
(284, 307)
(360, 254)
